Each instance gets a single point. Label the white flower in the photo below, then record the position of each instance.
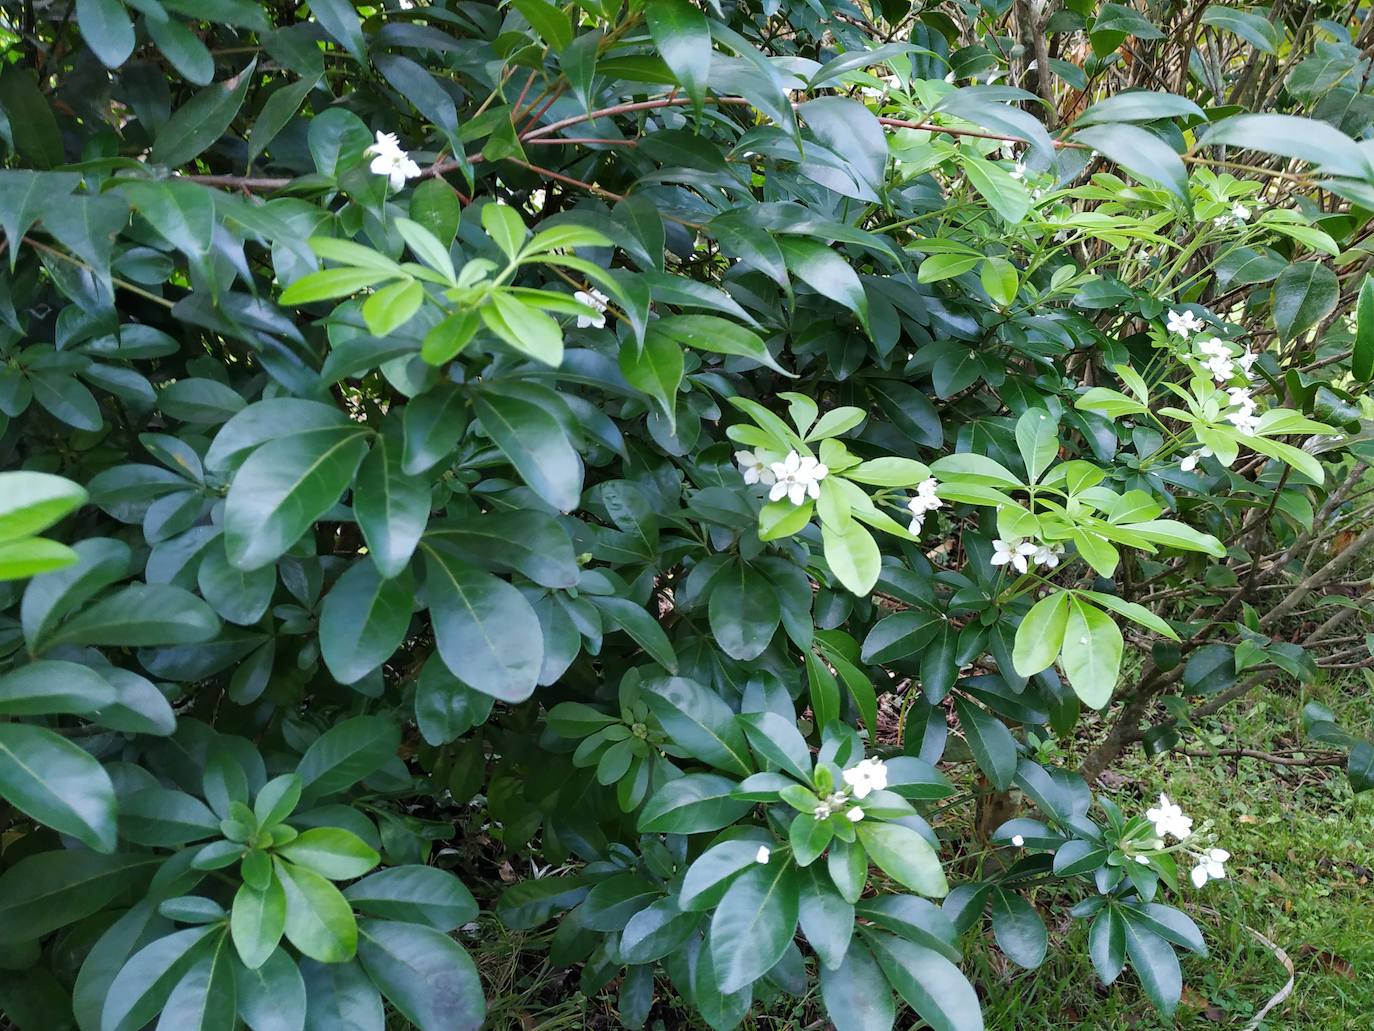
(854, 815)
(1017, 840)
(391, 161)
(1240, 212)
(1048, 555)
(1169, 819)
(1210, 867)
(1190, 462)
(1018, 170)
(798, 477)
(923, 502)
(1221, 368)
(592, 299)
(1241, 396)
(1247, 359)
(1211, 347)
(754, 466)
(869, 775)
(1183, 323)
(1245, 421)
(1015, 551)
(763, 855)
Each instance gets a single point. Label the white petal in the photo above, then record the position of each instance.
(779, 491)
(796, 492)
(1199, 876)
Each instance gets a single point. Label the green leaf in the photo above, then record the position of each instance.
(1136, 613)
(432, 425)
(193, 60)
(1307, 139)
(1107, 944)
(1092, 653)
(505, 227)
(1305, 293)
(856, 994)
(107, 30)
(146, 981)
(1037, 438)
(853, 557)
(697, 721)
(534, 441)
(341, 21)
(655, 369)
(1362, 360)
(524, 327)
(531, 543)
(1140, 106)
(58, 784)
(1004, 195)
(641, 626)
(903, 855)
(414, 894)
(46, 890)
(36, 135)
(51, 687)
(691, 804)
(272, 996)
(202, 120)
(425, 974)
(683, 39)
(753, 925)
(744, 611)
(486, 632)
(776, 739)
(31, 502)
(1019, 931)
(1141, 153)
(1041, 634)
(257, 921)
(826, 272)
(331, 852)
(141, 615)
(363, 621)
(899, 635)
(931, 985)
(826, 919)
(347, 753)
(1156, 966)
(341, 995)
(393, 306)
(319, 921)
(550, 22)
(1255, 29)
(715, 334)
(991, 743)
(284, 488)
(391, 507)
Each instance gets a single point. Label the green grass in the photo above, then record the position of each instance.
(1302, 874)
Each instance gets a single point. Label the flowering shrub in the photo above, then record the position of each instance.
(753, 467)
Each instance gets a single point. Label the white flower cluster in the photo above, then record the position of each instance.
(592, 299)
(796, 478)
(861, 780)
(1209, 866)
(1223, 364)
(390, 160)
(868, 776)
(1021, 554)
(1239, 215)
(1184, 323)
(924, 501)
(1170, 821)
